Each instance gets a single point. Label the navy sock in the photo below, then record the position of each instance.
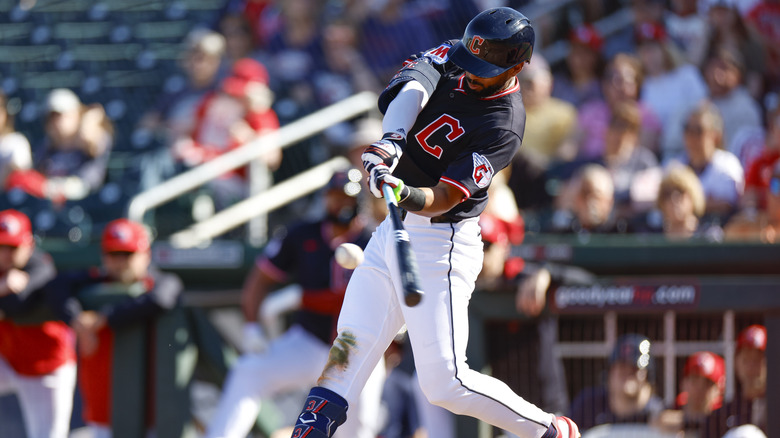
(552, 432)
(323, 412)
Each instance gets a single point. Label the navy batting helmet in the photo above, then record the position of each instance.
(494, 41)
(633, 349)
(347, 181)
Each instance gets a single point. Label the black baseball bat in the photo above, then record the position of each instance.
(407, 264)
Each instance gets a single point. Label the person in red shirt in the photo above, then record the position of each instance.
(759, 171)
(140, 294)
(235, 114)
(37, 355)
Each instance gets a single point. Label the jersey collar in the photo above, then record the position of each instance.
(514, 88)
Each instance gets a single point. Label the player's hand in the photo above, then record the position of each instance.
(253, 339)
(532, 293)
(386, 151)
(379, 176)
(15, 281)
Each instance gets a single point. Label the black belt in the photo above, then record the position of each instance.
(434, 220)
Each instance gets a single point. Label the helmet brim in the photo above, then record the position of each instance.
(461, 57)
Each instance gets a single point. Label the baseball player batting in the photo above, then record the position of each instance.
(453, 117)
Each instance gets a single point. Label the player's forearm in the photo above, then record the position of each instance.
(252, 295)
(439, 200)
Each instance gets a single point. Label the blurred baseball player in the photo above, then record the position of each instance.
(303, 255)
(453, 117)
(145, 293)
(37, 356)
(749, 405)
(703, 384)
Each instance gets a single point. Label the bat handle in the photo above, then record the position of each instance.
(387, 191)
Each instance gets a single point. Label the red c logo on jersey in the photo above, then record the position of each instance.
(444, 120)
(476, 43)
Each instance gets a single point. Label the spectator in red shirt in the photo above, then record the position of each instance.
(37, 356)
(140, 294)
(759, 171)
(237, 113)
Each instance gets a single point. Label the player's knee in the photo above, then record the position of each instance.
(445, 396)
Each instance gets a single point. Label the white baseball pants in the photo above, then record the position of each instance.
(449, 257)
(293, 360)
(46, 401)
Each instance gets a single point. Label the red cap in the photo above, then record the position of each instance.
(587, 35)
(752, 337)
(123, 235)
(650, 32)
(245, 70)
(15, 228)
(708, 365)
(498, 230)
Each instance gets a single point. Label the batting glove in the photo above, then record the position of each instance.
(386, 151)
(253, 339)
(381, 175)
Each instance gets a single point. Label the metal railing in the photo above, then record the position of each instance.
(287, 135)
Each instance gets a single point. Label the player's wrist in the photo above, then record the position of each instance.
(414, 199)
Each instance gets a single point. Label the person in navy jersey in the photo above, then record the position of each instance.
(303, 254)
(453, 117)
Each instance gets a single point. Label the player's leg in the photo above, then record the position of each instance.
(370, 317)
(362, 421)
(438, 330)
(47, 402)
(432, 417)
(293, 360)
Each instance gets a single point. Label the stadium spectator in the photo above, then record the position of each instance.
(702, 388)
(124, 292)
(749, 405)
(621, 82)
(549, 136)
(644, 12)
(239, 41)
(762, 226)
(688, 29)
(391, 31)
(71, 163)
(235, 114)
(294, 47)
(723, 70)
(681, 203)
(580, 79)
(586, 204)
(15, 153)
(763, 17)
(37, 354)
(628, 395)
(174, 113)
(634, 168)
(719, 170)
(671, 86)
(758, 172)
(729, 31)
(303, 254)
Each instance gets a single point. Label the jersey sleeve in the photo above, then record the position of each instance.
(473, 170)
(425, 67)
(279, 257)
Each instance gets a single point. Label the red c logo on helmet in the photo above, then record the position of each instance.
(476, 43)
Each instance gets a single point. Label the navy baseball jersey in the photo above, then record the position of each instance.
(460, 138)
(305, 255)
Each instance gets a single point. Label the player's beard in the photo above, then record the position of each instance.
(484, 92)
